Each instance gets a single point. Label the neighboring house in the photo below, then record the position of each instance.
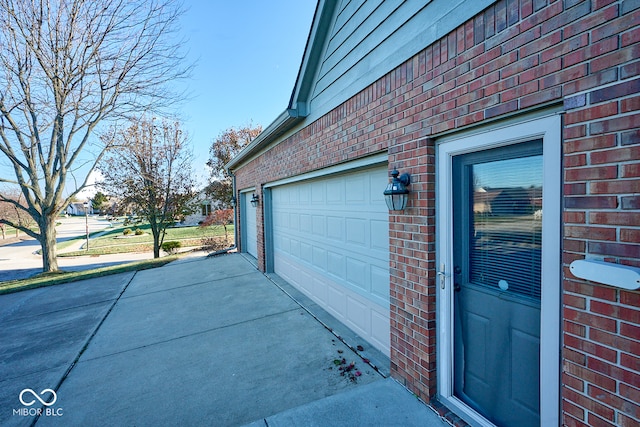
(77, 208)
(469, 293)
(203, 208)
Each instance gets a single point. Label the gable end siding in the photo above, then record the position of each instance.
(370, 38)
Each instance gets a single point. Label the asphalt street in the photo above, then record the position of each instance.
(20, 260)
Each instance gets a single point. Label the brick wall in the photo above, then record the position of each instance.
(601, 362)
(515, 56)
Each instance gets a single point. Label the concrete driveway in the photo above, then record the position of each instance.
(203, 341)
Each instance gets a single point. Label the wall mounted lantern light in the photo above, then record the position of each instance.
(397, 193)
(233, 201)
(254, 200)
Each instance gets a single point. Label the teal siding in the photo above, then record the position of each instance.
(368, 39)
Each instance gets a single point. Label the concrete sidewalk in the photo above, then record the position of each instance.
(205, 341)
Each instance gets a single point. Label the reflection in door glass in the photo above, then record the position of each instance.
(505, 250)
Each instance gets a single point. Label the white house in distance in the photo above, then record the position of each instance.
(474, 296)
(203, 207)
(85, 195)
(78, 208)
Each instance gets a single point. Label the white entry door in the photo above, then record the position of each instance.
(249, 229)
(331, 241)
(498, 210)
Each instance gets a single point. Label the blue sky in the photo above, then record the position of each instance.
(248, 54)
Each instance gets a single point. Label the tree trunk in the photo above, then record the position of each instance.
(155, 232)
(156, 245)
(48, 243)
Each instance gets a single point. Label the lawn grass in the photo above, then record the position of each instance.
(10, 232)
(113, 241)
(50, 279)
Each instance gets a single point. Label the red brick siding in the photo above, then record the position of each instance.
(516, 55)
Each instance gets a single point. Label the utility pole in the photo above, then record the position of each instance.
(86, 221)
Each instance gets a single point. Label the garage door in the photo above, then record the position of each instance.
(331, 241)
(249, 229)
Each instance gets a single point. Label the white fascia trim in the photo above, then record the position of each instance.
(279, 126)
(376, 159)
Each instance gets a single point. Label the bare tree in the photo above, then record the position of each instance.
(222, 150)
(149, 169)
(11, 214)
(66, 66)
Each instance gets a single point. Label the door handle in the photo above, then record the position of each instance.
(442, 276)
(443, 279)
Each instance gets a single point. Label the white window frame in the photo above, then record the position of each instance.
(206, 209)
(548, 129)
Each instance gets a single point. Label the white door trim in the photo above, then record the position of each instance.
(549, 129)
(248, 220)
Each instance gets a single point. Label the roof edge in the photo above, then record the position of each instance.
(279, 126)
(322, 19)
(298, 107)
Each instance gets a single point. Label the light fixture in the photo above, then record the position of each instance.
(233, 201)
(397, 193)
(254, 200)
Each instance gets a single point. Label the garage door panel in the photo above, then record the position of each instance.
(306, 252)
(284, 221)
(318, 193)
(380, 235)
(320, 290)
(319, 228)
(357, 273)
(341, 230)
(380, 322)
(335, 228)
(295, 248)
(362, 243)
(301, 196)
(358, 316)
(357, 231)
(320, 258)
(335, 192)
(283, 244)
(289, 271)
(357, 191)
(305, 222)
(337, 264)
(380, 283)
(336, 302)
(360, 254)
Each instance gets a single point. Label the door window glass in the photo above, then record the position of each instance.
(506, 231)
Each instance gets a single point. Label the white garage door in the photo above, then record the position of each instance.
(249, 229)
(331, 241)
